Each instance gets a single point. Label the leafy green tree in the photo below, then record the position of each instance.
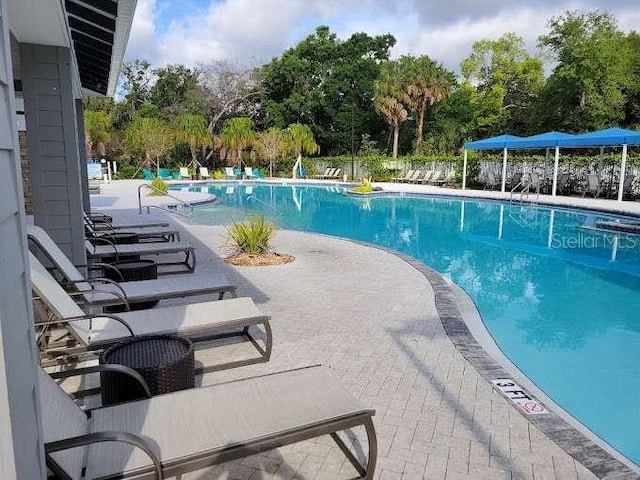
(299, 139)
(631, 89)
(151, 137)
(508, 80)
(192, 130)
(391, 99)
(97, 128)
(237, 134)
(136, 79)
(269, 145)
(172, 85)
(326, 83)
(585, 90)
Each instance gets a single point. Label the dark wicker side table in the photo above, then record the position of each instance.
(131, 271)
(166, 363)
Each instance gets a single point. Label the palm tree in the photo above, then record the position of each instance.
(269, 144)
(151, 136)
(390, 100)
(426, 85)
(237, 134)
(97, 129)
(299, 139)
(192, 130)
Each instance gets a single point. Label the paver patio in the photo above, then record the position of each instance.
(371, 317)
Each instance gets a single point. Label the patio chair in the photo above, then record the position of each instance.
(415, 177)
(184, 173)
(172, 434)
(100, 292)
(160, 234)
(101, 249)
(102, 221)
(435, 177)
(94, 187)
(492, 181)
(515, 181)
(230, 173)
(627, 184)
(148, 174)
(337, 174)
(326, 173)
(425, 178)
(248, 173)
(89, 333)
(594, 185)
(164, 173)
(449, 178)
(406, 177)
(204, 173)
(562, 183)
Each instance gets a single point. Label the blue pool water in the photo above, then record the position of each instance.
(561, 300)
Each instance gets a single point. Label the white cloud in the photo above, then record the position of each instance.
(252, 31)
(143, 40)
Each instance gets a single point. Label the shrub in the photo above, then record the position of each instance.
(159, 187)
(127, 172)
(252, 236)
(364, 187)
(219, 175)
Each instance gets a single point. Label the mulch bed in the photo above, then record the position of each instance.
(260, 260)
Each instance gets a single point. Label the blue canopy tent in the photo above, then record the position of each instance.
(557, 140)
(608, 137)
(546, 140)
(501, 142)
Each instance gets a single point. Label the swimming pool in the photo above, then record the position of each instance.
(559, 298)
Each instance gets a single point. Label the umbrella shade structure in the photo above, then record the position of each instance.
(542, 140)
(609, 137)
(494, 143)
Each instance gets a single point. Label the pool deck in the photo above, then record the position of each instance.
(401, 350)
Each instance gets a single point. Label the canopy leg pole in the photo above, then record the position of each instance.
(464, 170)
(555, 172)
(504, 170)
(623, 167)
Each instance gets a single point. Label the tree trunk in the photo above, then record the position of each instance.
(423, 108)
(296, 166)
(396, 136)
(240, 158)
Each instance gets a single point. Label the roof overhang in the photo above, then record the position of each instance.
(97, 31)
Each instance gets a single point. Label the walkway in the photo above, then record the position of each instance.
(371, 317)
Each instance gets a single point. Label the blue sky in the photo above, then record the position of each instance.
(253, 31)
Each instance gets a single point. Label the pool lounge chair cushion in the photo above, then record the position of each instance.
(194, 429)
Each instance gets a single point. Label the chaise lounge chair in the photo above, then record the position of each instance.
(102, 221)
(406, 178)
(102, 292)
(327, 172)
(157, 234)
(172, 434)
(101, 249)
(184, 173)
(204, 173)
(230, 173)
(249, 174)
(91, 333)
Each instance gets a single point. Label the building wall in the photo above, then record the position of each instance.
(26, 175)
(21, 448)
(54, 159)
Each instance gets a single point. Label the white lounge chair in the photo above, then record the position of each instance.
(408, 175)
(90, 333)
(327, 172)
(184, 173)
(229, 173)
(204, 173)
(248, 173)
(415, 177)
(103, 292)
(169, 435)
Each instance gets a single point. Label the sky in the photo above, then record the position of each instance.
(252, 32)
